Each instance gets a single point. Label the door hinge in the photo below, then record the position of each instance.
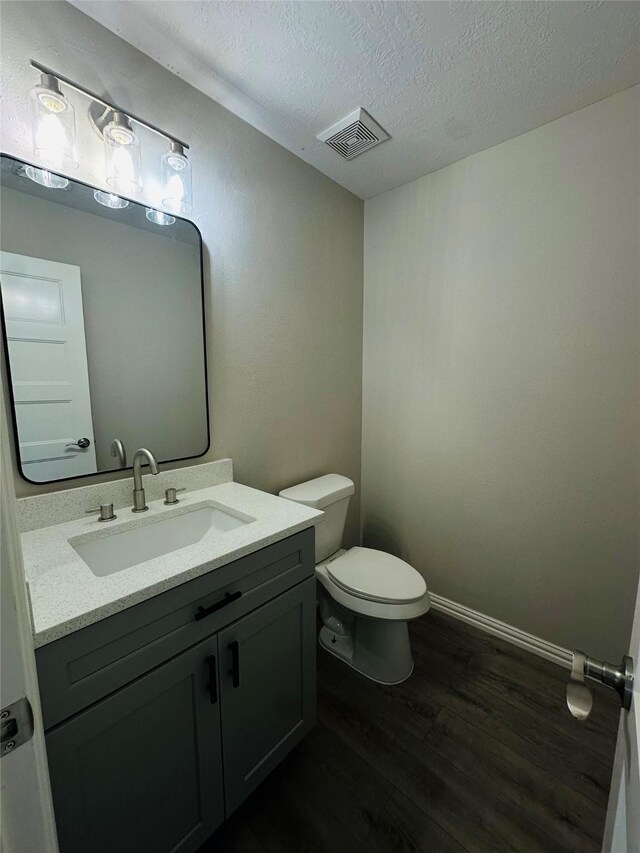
(16, 725)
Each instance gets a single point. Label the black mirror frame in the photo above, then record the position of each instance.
(5, 344)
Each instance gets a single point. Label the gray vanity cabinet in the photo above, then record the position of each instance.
(127, 774)
(161, 719)
(267, 688)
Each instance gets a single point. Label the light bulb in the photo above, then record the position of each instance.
(51, 100)
(110, 200)
(122, 155)
(174, 191)
(120, 135)
(46, 178)
(53, 125)
(176, 179)
(50, 133)
(159, 218)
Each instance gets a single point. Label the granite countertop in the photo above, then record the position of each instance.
(65, 595)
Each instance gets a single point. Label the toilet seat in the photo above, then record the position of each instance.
(375, 576)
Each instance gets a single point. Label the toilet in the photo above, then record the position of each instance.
(366, 596)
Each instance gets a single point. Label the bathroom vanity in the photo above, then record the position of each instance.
(175, 642)
(163, 716)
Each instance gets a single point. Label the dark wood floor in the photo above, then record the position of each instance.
(475, 752)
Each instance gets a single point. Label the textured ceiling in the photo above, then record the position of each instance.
(445, 79)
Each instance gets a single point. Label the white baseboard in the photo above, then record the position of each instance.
(531, 643)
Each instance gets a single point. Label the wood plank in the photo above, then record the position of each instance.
(562, 813)
(435, 785)
(413, 710)
(442, 680)
(512, 683)
(548, 736)
(336, 776)
(438, 628)
(292, 820)
(546, 677)
(528, 734)
(405, 828)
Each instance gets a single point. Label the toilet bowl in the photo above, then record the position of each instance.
(366, 596)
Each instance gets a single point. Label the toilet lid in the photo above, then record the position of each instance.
(376, 576)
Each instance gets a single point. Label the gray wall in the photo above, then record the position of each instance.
(501, 362)
(283, 253)
(141, 293)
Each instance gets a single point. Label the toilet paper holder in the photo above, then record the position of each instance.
(618, 677)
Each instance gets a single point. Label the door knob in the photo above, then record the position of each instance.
(81, 442)
(619, 677)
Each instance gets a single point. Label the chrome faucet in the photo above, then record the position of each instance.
(117, 450)
(139, 502)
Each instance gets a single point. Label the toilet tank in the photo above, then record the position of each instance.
(331, 494)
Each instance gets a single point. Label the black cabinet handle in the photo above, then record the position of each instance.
(234, 672)
(201, 612)
(212, 686)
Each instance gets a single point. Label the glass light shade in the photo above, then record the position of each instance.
(110, 200)
(53, 125)
(46, 178)
(122, 156)
(159, 218)
(176, 180)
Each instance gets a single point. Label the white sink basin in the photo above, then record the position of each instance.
(123, 549)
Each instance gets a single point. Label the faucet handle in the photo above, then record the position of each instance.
(170, 496)
(105, 510)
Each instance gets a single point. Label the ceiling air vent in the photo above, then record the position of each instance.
(354, 135)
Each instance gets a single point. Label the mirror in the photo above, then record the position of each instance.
(103, 325)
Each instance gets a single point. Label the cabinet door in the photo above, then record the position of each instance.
(267, 688)
(141, 771)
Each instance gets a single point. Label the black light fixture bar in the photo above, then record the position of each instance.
(76, 87)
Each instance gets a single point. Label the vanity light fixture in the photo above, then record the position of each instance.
(46, 178)
(176, 179)
(55, 145)
(110, 200)
(159, 218)
(53, 126)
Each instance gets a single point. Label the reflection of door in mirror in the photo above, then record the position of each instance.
(42, 303)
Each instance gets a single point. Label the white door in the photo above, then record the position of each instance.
(622, 830)
(27, 824)
(48, 357)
